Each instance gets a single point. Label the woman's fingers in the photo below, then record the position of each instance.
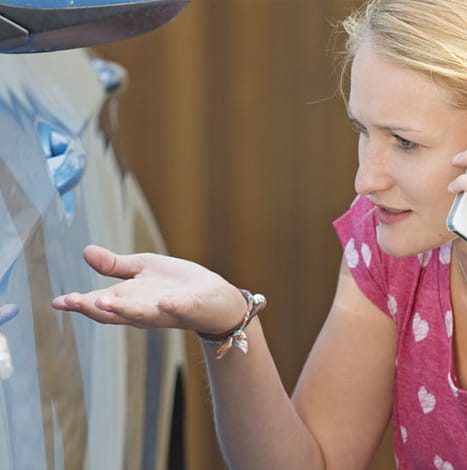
(137, 312)
(460, 160)
(106, 308)
(63, 302)
(159, 292)
(86, 304)
(108, 263)
(59, 303)
(458, 185)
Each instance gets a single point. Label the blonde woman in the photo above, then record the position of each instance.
(395, 342)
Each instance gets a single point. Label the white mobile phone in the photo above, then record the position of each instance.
(457, 217)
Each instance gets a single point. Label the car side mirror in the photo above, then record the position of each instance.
(48, 25)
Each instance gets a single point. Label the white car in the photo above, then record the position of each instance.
(74, 394)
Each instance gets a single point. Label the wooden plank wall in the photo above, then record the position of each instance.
(236, 131)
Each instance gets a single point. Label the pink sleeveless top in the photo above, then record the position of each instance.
(429, 410)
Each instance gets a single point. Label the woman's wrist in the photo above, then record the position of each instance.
(236, 336)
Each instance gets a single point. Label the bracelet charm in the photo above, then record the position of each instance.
(236, 337)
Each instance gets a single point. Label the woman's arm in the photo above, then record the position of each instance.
(342, 403)
(344, 394)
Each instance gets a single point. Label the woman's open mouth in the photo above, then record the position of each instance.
(390, 216)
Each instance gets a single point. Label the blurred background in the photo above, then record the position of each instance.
(234, 126)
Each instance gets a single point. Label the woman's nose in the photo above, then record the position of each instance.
(374, 172)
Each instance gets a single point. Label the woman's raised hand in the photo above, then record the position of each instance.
(157, 291)
(460, 183)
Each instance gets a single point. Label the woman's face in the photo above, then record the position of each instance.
(409, 132)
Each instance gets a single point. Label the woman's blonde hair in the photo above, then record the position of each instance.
(429, 36)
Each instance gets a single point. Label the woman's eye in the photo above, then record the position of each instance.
(406, 144)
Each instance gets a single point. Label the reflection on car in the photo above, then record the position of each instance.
(74, 394)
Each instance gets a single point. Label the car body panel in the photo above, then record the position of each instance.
(46, 25)
(80, 394)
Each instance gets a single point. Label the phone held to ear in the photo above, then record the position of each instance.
(457, 217)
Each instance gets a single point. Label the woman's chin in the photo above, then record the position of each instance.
(397, 246)
(401, 245)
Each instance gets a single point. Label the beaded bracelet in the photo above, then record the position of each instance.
(236, 337)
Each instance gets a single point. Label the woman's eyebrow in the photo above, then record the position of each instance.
(355, 121)
(384, 127)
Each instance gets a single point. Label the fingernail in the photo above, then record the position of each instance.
(451, 187)
(457, 158)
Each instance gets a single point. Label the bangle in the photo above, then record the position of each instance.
(236, 336)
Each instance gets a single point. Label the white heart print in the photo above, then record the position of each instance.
(351, 254)
(445, 253)
(392, 305)
(424, 258)
(420, 328)
(440, 464)
(427, 400)
(366, 254)
(404, 434)
(449, 323)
